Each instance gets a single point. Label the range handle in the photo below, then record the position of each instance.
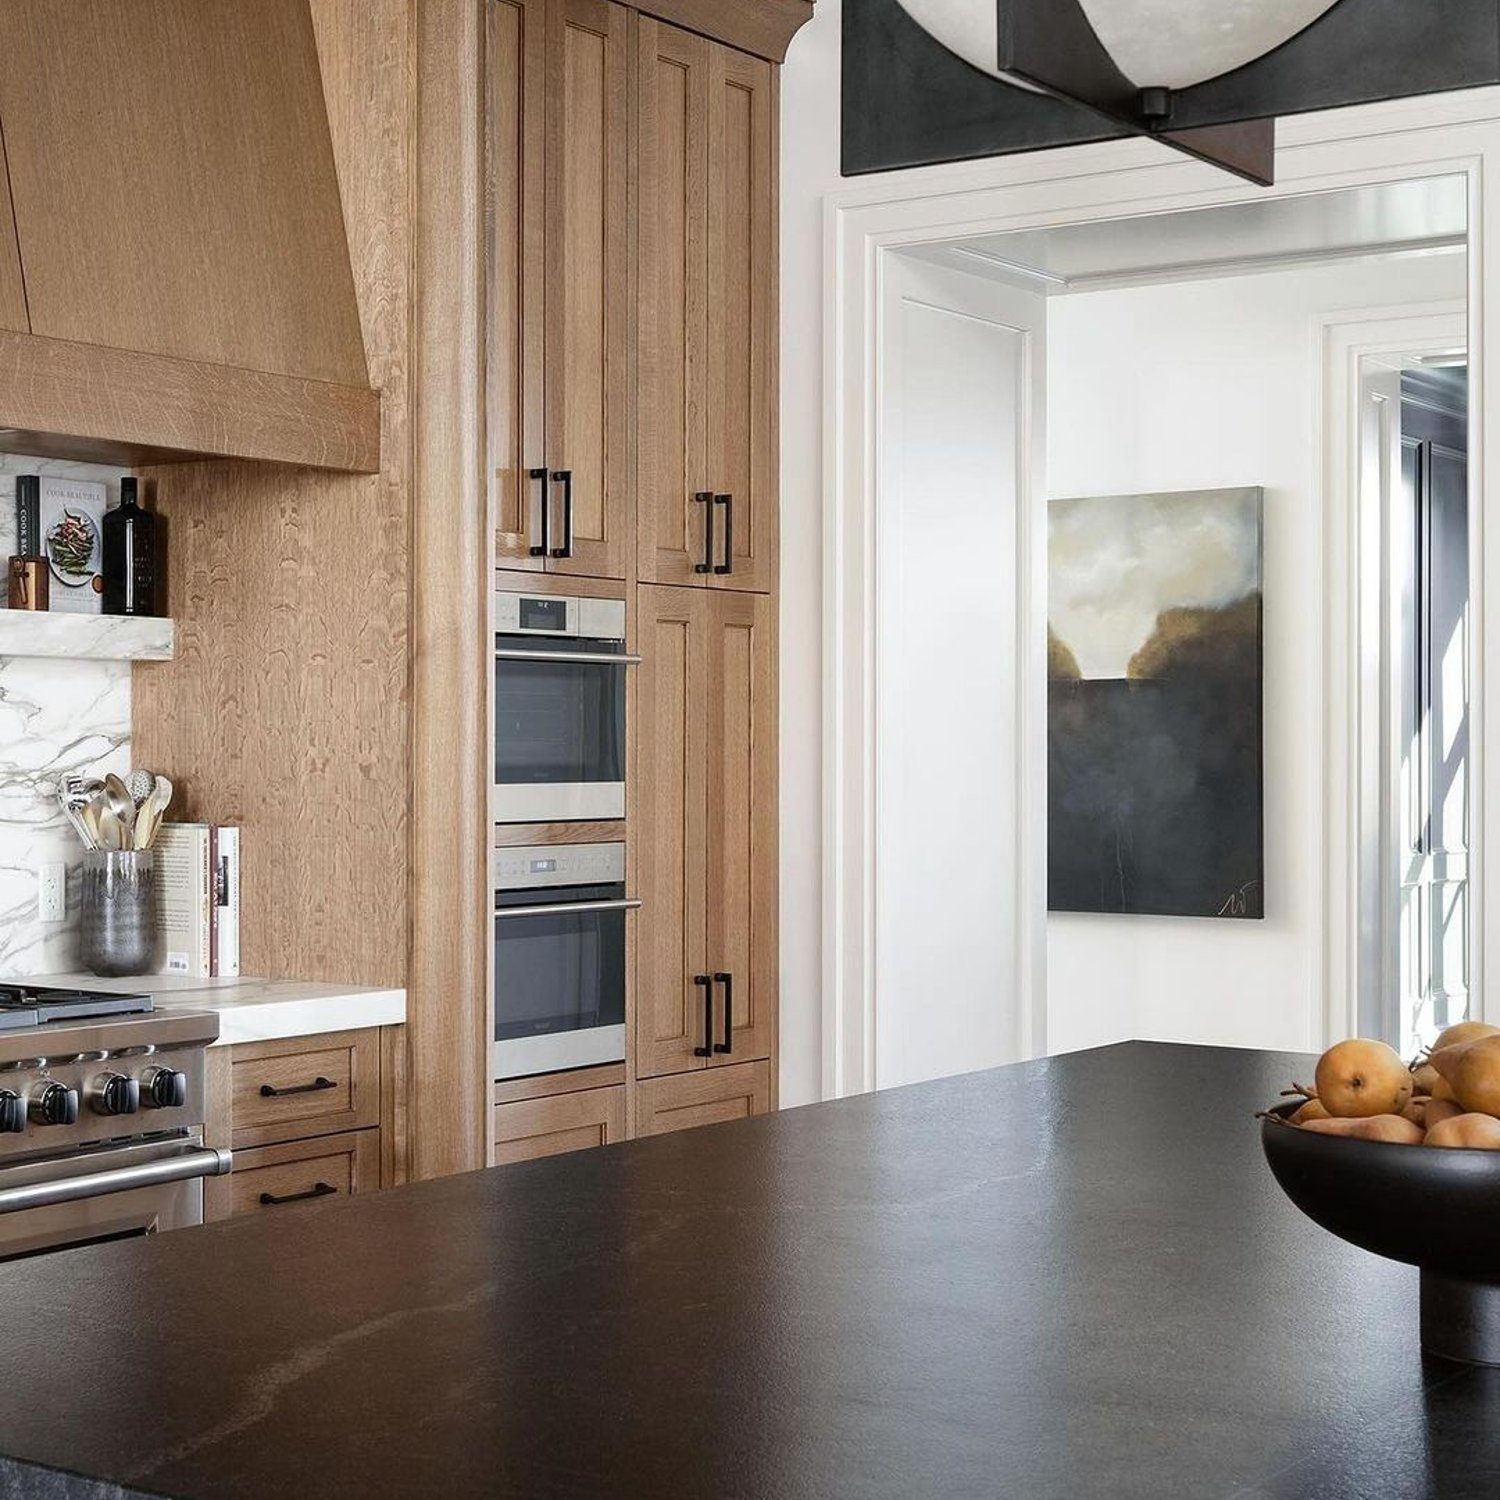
(200, 1162)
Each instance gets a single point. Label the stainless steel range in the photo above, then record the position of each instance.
(101, 1118)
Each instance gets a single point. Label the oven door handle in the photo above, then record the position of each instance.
(584, 658)
(204, 1162)
(565, 908)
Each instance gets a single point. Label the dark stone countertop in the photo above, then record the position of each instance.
(1072, 1278)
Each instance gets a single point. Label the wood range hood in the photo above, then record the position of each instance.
(175, 278)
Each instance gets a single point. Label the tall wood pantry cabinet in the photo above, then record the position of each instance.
(630, 405)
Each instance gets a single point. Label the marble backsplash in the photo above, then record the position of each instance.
(55, 717)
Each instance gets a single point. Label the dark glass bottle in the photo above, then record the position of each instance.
(129, 556)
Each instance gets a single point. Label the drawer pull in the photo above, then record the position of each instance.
(317, 1190)
(315, 1087)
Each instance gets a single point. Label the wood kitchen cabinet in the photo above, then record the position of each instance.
(533, 1128)
(558, 360)
(711, 1098)
(706, 312)
(705, 812)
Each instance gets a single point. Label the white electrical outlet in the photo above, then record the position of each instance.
(52, 893)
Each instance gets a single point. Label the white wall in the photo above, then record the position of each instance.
(1203, 385)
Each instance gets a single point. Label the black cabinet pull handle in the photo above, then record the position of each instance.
(315, 1087)
(727, 501)
(564, 477)
(707, 986)
(317, 1190)
(705, 498)
(541, 476)
(727, 1045)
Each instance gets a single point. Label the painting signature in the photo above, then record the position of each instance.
(1238, 904)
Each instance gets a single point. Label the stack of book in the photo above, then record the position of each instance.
(198, 899)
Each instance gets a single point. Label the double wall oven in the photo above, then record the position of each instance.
(560, 909)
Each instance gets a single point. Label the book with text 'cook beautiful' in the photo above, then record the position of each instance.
(198, 898)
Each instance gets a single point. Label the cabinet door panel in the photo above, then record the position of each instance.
(695, 1099)
(588, 281)
(515, 232)
(742, 332)
(671, 711)
(742, 834)
(534, 1128)
(672, 198)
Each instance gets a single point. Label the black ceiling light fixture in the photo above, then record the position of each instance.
(929, 81)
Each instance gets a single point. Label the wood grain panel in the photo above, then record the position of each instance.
(345, 1163)
(349, 1061)
(174, 182)
(573, 1081)
(12, 288)
(535, 1128)
(672, 329)
(66, 400)
(447, 994)
(742, 322)
(287, 708)
(693, 1099)
(588, 283)
(515, 237)
(742, 821)
(671, 712)
(762, 27)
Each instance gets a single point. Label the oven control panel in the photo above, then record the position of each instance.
(47, 1103)
(558, 614)
(540, 866)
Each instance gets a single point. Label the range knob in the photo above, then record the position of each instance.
(12, 1112)
(163, 1088)
(114, 1094)
(53, 1104)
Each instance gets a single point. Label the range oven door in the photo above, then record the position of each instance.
(559, 978)
(105, 1193)
(559, 729)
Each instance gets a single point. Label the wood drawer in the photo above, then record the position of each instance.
(710, 1097)
(319, 1085)
(566, 1122)
(298, 1172)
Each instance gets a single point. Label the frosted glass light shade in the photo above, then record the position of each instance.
(1155, 43)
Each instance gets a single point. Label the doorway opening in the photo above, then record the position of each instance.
(1159, 357)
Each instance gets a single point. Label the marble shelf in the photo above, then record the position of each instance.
(85, 637)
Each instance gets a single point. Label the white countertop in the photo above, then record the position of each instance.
(257, 1010)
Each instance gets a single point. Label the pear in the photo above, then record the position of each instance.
(1473, 1132)
(1439, 1110)
(1359, 1079)
(1312, 1110)
(1390, 1128)
(1475, 1076)
(1464, 1031)
(1426, 1077)
(1416, 1112)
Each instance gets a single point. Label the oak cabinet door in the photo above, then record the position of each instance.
(671, 729)
(533, 1128)
(742, 824)
(515, 252)
(695, 1099)
(742, 318)
(672, 319)
(588, 288)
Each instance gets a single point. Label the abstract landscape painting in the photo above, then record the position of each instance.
(1154, 705)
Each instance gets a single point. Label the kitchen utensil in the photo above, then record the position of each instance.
(1435, 1207)
(74, 817)
(149, 817)
(122, 805)
(111, 830)
(140, 785)
(89, 815)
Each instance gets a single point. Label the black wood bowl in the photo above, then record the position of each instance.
(1430, 1206)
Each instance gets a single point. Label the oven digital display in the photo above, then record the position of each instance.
(544, 614)
(543, 866)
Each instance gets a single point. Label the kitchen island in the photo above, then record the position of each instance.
(1068, 1278)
